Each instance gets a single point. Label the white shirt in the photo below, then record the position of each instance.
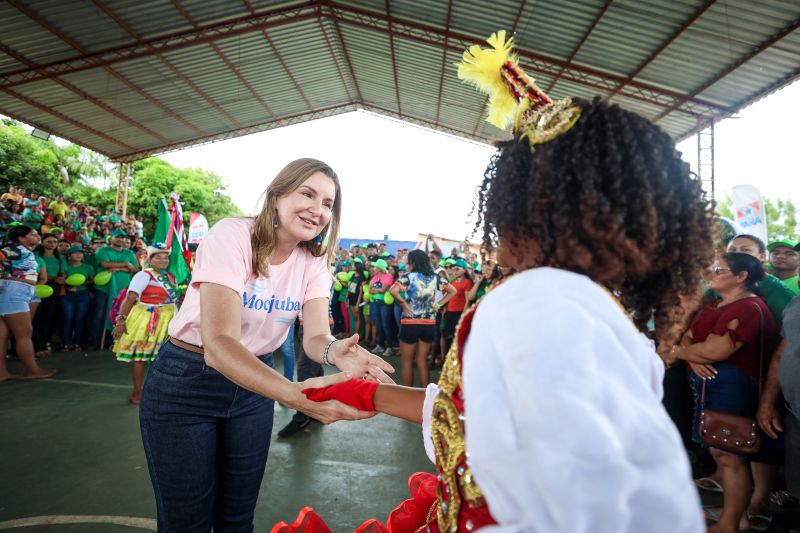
(565, 429)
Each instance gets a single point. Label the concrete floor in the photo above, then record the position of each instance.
(71, 457)
(70, 447)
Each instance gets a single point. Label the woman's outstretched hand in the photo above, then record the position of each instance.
(331, 410)
(349, 357)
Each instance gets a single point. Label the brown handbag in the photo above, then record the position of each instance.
(733, 433)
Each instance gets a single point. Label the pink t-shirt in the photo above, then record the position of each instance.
(269, 305)
(381, 280)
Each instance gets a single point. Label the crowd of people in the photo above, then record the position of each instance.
(408, 303)
(64, 265)
(606, 273)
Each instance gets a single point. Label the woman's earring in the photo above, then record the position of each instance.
(275, 222)
(318, 239)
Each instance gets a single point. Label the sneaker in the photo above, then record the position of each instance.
(294, 426)
(378, 349)
(388, 352)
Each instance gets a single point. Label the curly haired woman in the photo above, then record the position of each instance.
(551, 388)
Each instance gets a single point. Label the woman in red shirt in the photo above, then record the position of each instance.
(724, 348)
(462, 282)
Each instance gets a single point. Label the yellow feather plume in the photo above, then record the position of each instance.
(481, 68)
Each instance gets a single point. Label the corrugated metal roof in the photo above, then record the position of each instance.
(132, 78)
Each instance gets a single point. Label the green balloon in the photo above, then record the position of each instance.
(103, 278)
(76, 279)
(43, 291)
(337, 286)
(388, 299)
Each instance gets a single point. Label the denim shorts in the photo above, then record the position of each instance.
(15, 297)
(732, 391)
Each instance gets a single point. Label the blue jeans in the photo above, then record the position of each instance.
(384, 323)
(74, 306)
(397, 309)
(97, 316)
(206, 441)
(287, 349)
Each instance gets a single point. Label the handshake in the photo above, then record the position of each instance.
(357, 393)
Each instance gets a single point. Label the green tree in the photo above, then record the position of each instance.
(781, 217)
(90, 178)
(26, 161)
(200, 190)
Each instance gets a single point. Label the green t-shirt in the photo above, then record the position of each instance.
(84, 269)
(33, 220)
(39, 264)
(91, 260)
(793, 284)
(776, 294)
(121, 280)
(53, 265)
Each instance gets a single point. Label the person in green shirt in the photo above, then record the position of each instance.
(776, 293)
(785, 260)
(43, 322)
(75, 302)
(119, 259)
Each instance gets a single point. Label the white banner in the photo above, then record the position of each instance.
(198, 227)
(749, 211)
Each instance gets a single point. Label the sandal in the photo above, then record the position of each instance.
(759, 522)
(709, 484)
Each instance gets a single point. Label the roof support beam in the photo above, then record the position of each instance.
(227, 62)
(69, 86)
(680, 31)
(49, 110)
(162, 44)
(444, 62)
(247, 130)
(171, 66)
(532, 61)
(343, 46)
(394, 57)
(333, 54)
(730, 68)
(44, 24)
(281, 60)
(583, 40)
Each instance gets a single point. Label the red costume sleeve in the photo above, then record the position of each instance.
(356, 393)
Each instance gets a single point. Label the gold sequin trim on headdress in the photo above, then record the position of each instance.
(514, 98)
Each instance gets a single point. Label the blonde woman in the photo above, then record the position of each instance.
(140, 328)
(207, 405)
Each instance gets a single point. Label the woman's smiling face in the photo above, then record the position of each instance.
(304, 212)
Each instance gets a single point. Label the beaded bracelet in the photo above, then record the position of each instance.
(325, 359)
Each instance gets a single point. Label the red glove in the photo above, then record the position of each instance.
(356, 393)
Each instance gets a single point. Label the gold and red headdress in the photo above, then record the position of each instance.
(514, 98)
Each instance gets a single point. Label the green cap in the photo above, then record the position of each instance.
(449, 261)
(402, 268)
(380, 264)
(75, 250)
(461, 263)
(358, 260)
(56, 230)
(785, 242)
(385, 254)
(118, 233)
(365, 245)
(347, 264)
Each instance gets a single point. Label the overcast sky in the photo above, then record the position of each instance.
(398, 179)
